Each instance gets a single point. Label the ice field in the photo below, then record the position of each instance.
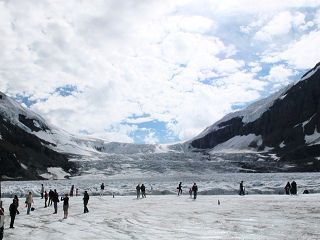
(172, 217)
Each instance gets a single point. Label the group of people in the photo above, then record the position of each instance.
(141, 190)
(52, 196)
(291, 188)
(193, 190)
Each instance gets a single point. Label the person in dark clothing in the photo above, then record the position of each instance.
(293, 188)
(85, 201)
(13, 212)
(101, 189)
(287, 188)
(143, 191)
(51, 193)
(55, 200)
(17, 202)
(190, 192)
(42, 191)
(1, 220)
(138, 188)
(71, 191)
(195, 190)
(241, 191)
(45, 199)
(65, 205)
(179, 188)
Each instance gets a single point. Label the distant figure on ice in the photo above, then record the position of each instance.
(306, 191)
(85, 201)
(71, 191)
(51, 193)
(287, 188)
(190, 192)
(29, 201)
(138, 188)
(13, 212)
(17, 202)
(65, 200)
(195, 190)
(179, 188)
(143, 191)
(1, 221)
(42, 191)
(101, 189)
(294, 188)
(45, 199)
(77, 192)
(55, 200)
(241, 191)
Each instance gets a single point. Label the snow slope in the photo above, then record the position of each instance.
(171, 217)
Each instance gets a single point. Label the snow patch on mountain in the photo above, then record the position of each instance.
(55, 173)
(312, 139)
(238, 143)
(250, 113)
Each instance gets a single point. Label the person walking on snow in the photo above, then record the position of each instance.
(241, 190)
(85, 201)
(1, 221)
(51, 193)
(287, 188)
(29, 201)
(195, 190)
(294, 189)
(55, 200)
(101, 189)
(45, 198)
(13, 212)
(179, 188)
(17, 202)
(71, 191)
(138, 188)
(65, 206)
(143, 191)
(42, 191)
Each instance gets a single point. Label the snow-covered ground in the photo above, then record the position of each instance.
(208, 183)
(172, 217)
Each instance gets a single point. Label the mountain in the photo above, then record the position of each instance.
(278, 133)
(24, 155)
(286, 125)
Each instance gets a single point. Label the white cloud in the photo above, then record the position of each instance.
(183, 63)
(280, 24)
(302, 54)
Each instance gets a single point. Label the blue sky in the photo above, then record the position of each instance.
(151, 71)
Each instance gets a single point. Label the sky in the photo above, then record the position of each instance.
(149, 71)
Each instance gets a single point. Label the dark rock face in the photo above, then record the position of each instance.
(25, 156)
(287, 121)
(32, 124)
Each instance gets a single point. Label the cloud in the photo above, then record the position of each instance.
(281, 24)
(300, 53)
(104, 68)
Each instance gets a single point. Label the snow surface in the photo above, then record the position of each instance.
(237, 143)
(165, 183)
(55, 173)
(172, 217)
(313, 71)
(312, 139)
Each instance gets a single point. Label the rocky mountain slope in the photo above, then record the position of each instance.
(23, 155)
(287, 124)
